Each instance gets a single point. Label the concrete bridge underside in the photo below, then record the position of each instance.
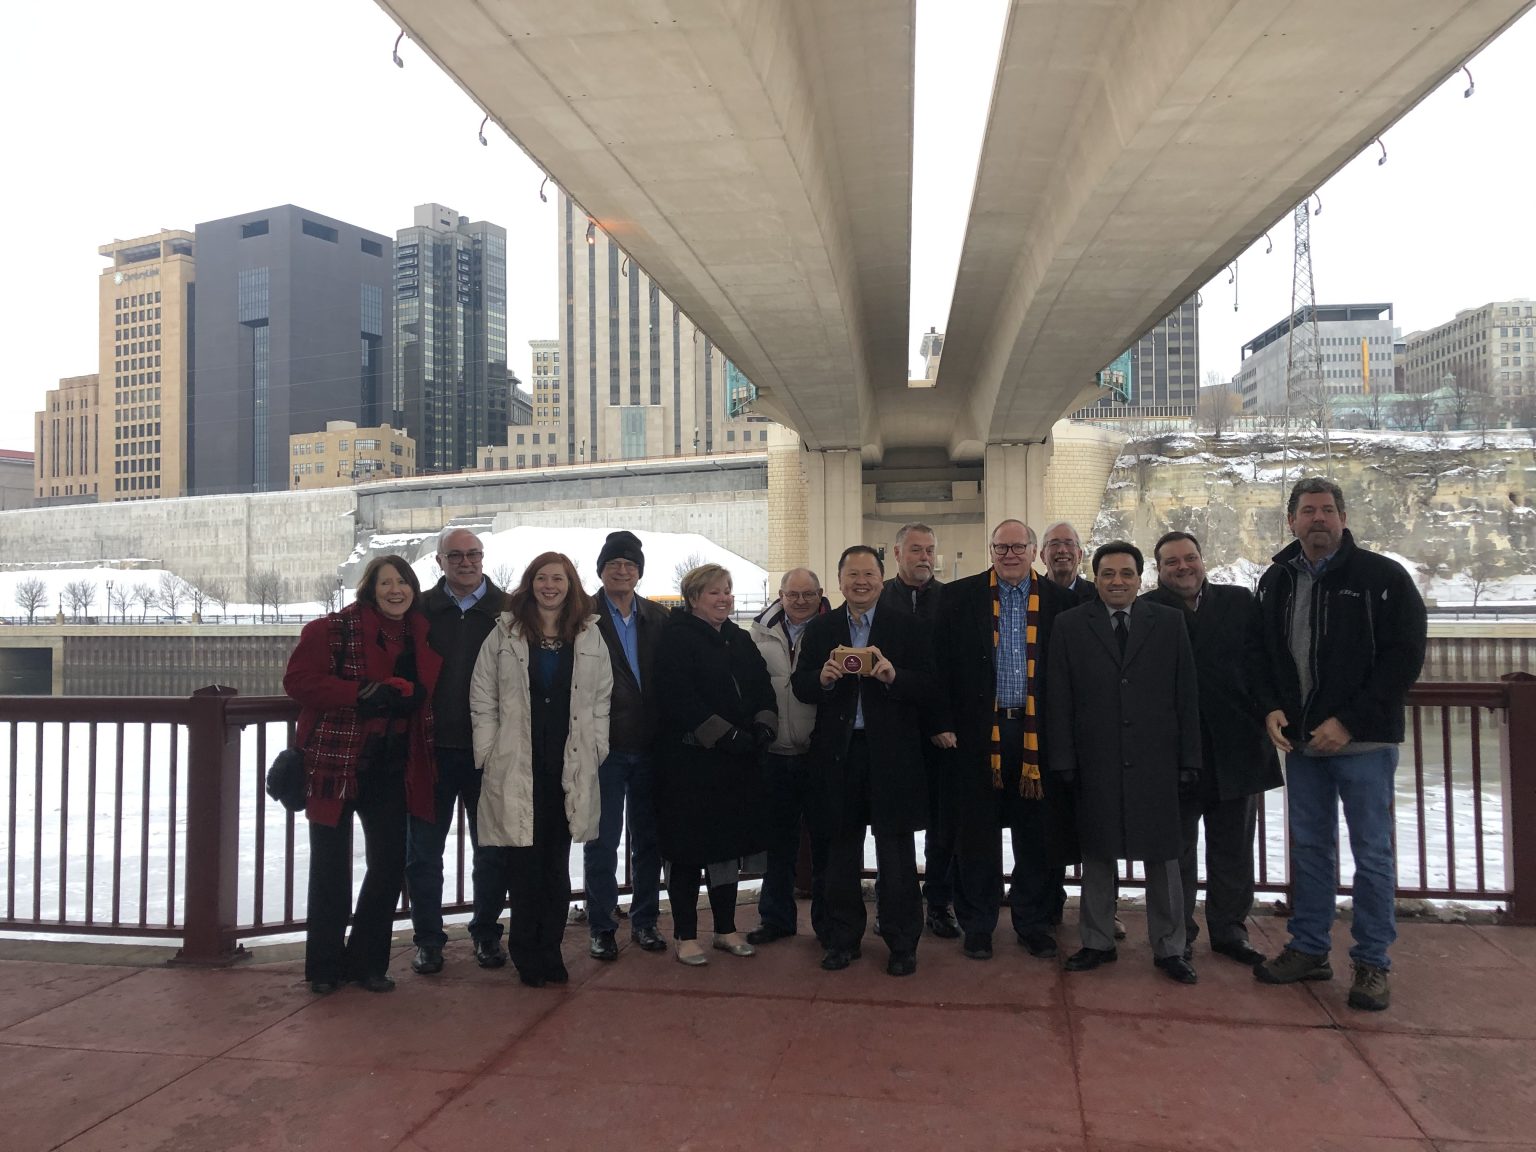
(756, 159)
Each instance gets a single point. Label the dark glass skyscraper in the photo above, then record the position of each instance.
(451, 385)
(293, 328)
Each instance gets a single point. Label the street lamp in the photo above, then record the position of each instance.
(695, 438)
(109, 601)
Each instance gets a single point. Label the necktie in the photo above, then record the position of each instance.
(1121, 635)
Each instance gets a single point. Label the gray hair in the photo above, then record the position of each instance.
(451, 531)
(1066, 524)
(1034, 541)
(914, 526)
(784, 579)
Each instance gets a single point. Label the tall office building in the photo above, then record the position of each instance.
(293, 329)
(1356, 344)
(451, 381)
(146, 307)
(637, 378)
(1164, 377)
(67, 443)
(546, 387)
(1493, 348)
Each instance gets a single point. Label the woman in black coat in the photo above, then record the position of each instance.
(718, 711)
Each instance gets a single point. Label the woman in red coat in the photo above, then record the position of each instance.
(364, 677)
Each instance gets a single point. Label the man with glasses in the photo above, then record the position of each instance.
(992, 636)
(777, 632)
(1062, 551)
(461, 611)
(914, 591)
(630, 625)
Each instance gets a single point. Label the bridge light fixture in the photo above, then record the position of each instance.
(484, 143)
(1383, 158)
(542, 197)
(395, 51)
(1471, 83)
(591, 230)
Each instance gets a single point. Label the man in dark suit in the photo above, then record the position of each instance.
(1061, 551)
(631, 626)
(1238, 763)
(1125, 733)
(867, 759)
(916, 590)
(993, 632)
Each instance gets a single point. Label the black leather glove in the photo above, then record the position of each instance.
(375, 698)
(762, 734)
(1189, 783)
(737, 742)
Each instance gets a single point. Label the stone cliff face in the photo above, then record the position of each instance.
(1459, 503)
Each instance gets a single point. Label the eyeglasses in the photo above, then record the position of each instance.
(1016, 549)
(474, 556)
(1049, 544)
(801, 595)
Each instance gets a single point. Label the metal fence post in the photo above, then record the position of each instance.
(213, 832)
(1517, 763)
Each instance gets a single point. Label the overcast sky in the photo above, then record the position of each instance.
(123, 119)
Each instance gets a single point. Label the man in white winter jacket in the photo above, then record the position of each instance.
(777, 634)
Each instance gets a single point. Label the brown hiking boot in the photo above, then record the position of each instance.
(1292, 966)
(1371, 991)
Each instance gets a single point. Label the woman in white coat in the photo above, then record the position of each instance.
(538, 705)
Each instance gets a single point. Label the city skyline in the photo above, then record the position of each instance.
(1437, 229)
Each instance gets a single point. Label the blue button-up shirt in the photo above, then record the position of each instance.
(626, 629)
(1012, 651)
(465, 603)
(858, 637)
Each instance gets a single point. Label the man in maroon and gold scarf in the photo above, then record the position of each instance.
(992, 637)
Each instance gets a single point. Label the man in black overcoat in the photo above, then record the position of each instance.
(867, 759)
(1238, 763)
(1124, 712)
(988, 687)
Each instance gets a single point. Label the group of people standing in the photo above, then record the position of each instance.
(1090, 722)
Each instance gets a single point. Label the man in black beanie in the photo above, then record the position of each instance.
(630, 625)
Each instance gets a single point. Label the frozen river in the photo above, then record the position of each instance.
(33, 820)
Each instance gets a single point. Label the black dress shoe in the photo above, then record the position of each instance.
(488, 954)
(942, 922)
(531, 977)
(836, 959)
(1177, 968)
(428, 961)
(648, 939)
(1241, 951)
(322, 987)
(901, 964)
(977, 945)
(1041, 944)
(767, 934)
(555, 972)
(375, 983)
(603, 946)
(1087, 959)
(1189, 952)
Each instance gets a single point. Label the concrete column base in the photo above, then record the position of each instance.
(835, 508)
(1014, 484)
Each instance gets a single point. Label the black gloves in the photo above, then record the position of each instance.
(737, 742)
(1189, 783)
(762, 734)
(392, 697)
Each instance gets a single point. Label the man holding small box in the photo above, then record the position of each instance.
(870, 676)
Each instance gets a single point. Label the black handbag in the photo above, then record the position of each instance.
(287, 781)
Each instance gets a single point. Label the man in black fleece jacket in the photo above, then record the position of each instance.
(461, 610)
(1338, 639)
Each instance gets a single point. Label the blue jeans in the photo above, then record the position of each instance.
(789, 783)
(457, 778)
(622, 774)
(1314, 787)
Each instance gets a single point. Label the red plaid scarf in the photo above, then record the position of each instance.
(1029, 774)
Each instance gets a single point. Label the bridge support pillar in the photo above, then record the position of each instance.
(834, 508)
(1013, 486)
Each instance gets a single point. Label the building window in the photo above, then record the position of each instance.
(372, 247)
(319, 231)
(254, 228)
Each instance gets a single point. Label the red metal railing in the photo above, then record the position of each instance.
(165, 829)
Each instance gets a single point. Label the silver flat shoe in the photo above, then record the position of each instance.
(742, 949)
(697, 960)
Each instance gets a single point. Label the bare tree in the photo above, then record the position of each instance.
(268, 588)
(504, 576)
(79, 595)
(1434, 559)
(326, 592)
(686, 565)
(1469, 398)
(145, 596)
(31, 594)
(1417, 412)
(117, 599)
(217, 592)
(197, 598)
(1219, 405)
(172, 593)
(1482, 571)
